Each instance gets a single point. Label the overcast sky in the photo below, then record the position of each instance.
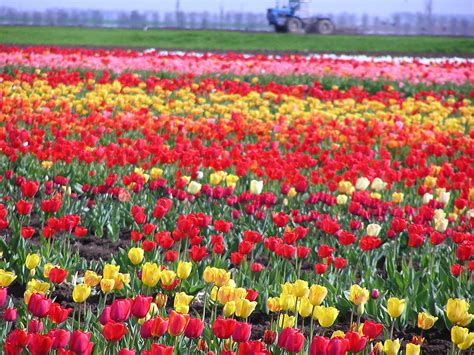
(374, 7)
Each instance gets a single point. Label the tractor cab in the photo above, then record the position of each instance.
(294, 16)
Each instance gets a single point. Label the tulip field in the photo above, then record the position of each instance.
(160, 202)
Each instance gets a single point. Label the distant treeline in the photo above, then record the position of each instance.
(398, 23)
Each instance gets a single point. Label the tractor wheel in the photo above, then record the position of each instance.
(325, 27)
(294, 25)
(281, 29)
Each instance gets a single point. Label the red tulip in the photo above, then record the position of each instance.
(40, 344)
(155, 328)
(80, 343)
(23, 207)
(319, 346)
(60, 338)
(177, 323)
(35, 326)
(223, 328)
(158, 349)
(269, 336)
(10, 314)
(125, 351)
(356, 342)
(29, 188)
(57, 275)
(57, 314)
(372, 329)
(338, 346)
(120, 310)
(291, 340)
(27, 232)
(39, 305)
(114, 331)
(194, 328)
(252, 348)
(242, 332)
(141, 306)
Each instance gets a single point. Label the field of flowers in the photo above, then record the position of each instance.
(184, 203)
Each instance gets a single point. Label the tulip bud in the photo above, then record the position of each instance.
(136, 255)
(269, 337)
(32, 261)
(160, 300)
(375, 294)
(80, 293)
(184, 269)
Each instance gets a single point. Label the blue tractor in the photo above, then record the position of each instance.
(292, 18)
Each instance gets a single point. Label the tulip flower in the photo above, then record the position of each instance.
(426, 321)
(356, 342)
(458, 334)
(40, 344)
(391, 347)
(107, 285)
(60, 338)
(181, 302)
(57, 275)
(141, 306)
(457, 312)
(80, 342)
(319, 345)
(224, 328)
(194, 328)
(358, 295)
(39, 305)
(194, 187)
(57, 314)
(91, 279)
(305, 308)
(177, 323)
(317, 294)
(286, 321)
(372, 329)
(81, 293)
(10, 314)
(269, 336)
(244, 307)
(151, 274)
(184, 269)
(291, 340)
(32, 261)
(113, 331)
(467, 342)
(242, 332)
(120, 310)
(326, 316)
(135, 255)
(256, 187)
(395, 307)
(412, 349)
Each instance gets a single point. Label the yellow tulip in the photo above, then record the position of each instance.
(326, 316)
(317, 294)
(458, 334)
(6, 278)
(292, 192)
(430, 182)
(194, 187)
(121, 280)
(395, 307)
(151, 274)
(345, 187)
(209, 274)
(305, 308)
(37, 286)
(91, 278)
(221, 277)
(457, 311)
(286, 321)
(287, 302)
(397, 197)
(426, 321)
(358, 295)
(135, 255)
(107, 285)
(184, 269)
(81, 293)
(341, 199)
(231, 180)
(32, 261)
(391, 347)
(156, 173)
(168, 277)
(338, 334)
(412, 349)
(47, 268)
(273, 304)
(215, 178)
(300, 288)
(181, 302)
(110, 271)
(229, 309)
(467, 342)
(244, 307)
